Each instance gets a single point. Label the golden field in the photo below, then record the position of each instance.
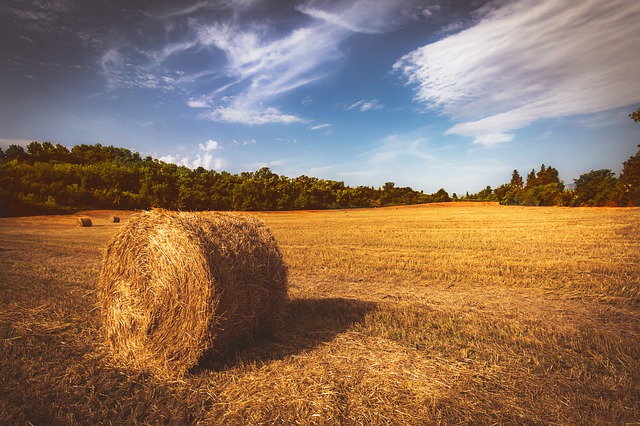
(438, 314)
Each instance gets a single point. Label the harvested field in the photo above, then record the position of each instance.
(433, 314)
(177, 285)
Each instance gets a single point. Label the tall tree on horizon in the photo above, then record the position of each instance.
(516, 180)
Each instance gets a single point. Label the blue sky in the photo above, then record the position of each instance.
(427, 94)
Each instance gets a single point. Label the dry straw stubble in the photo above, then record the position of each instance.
(177, 286)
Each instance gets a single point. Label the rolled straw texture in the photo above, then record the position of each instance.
(83, 222)
(176, 286)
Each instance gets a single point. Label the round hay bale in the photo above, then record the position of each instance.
(114, 219)
(83, 222)
(176, 286)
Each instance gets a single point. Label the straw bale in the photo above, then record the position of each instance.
(177, 286)
(114, 219)
(83, 222)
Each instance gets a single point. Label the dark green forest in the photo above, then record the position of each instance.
(45, 178)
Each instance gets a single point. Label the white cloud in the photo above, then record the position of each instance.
(175, 159)
(490, 139)
(204, 159)
(197, 103)
(252, 61)
(207, 161)
(429, 11)
(211, 145)
(320, 126)
(288, 140)
(250, 116)
(111, 63)
(41, 15)
(364, 16)
(262, 67)
(527, 61)
(364, 106)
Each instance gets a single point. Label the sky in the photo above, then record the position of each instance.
(425, 93)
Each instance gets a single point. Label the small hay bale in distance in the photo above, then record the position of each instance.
(177, 286)
(83, 222)
(114, 219)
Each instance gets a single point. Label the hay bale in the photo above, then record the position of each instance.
(83, 222)
(114, 219)
(177, 286)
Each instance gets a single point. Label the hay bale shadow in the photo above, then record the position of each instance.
(307, 324)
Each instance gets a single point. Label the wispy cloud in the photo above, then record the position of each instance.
(263, 67)
(321, 126)
(251, 62)
(41, 15)
(366, 16)
(198, 103)
(382, 163)
(529, 60)
(48, 17)
(394, 146)
(245, 114)
(364, 106)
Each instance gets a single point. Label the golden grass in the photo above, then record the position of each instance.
(424, 315)
(589, 250)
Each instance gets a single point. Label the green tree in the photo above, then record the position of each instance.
(15, 152)
(486, 194)
(516, 180)
(630, 180)
(502, 191)
(441, 196)
(597, 188)
(532, 180)
(635, 115)
(548, 175)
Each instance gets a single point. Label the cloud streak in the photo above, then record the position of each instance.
(263, 68)
(364, 106)
(527, 61)
(249, 62)
(366, 16)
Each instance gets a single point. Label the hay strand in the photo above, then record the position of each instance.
(83, 222)
(175, 286)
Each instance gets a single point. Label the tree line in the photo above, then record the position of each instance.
(598, 188)
(47, 178)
